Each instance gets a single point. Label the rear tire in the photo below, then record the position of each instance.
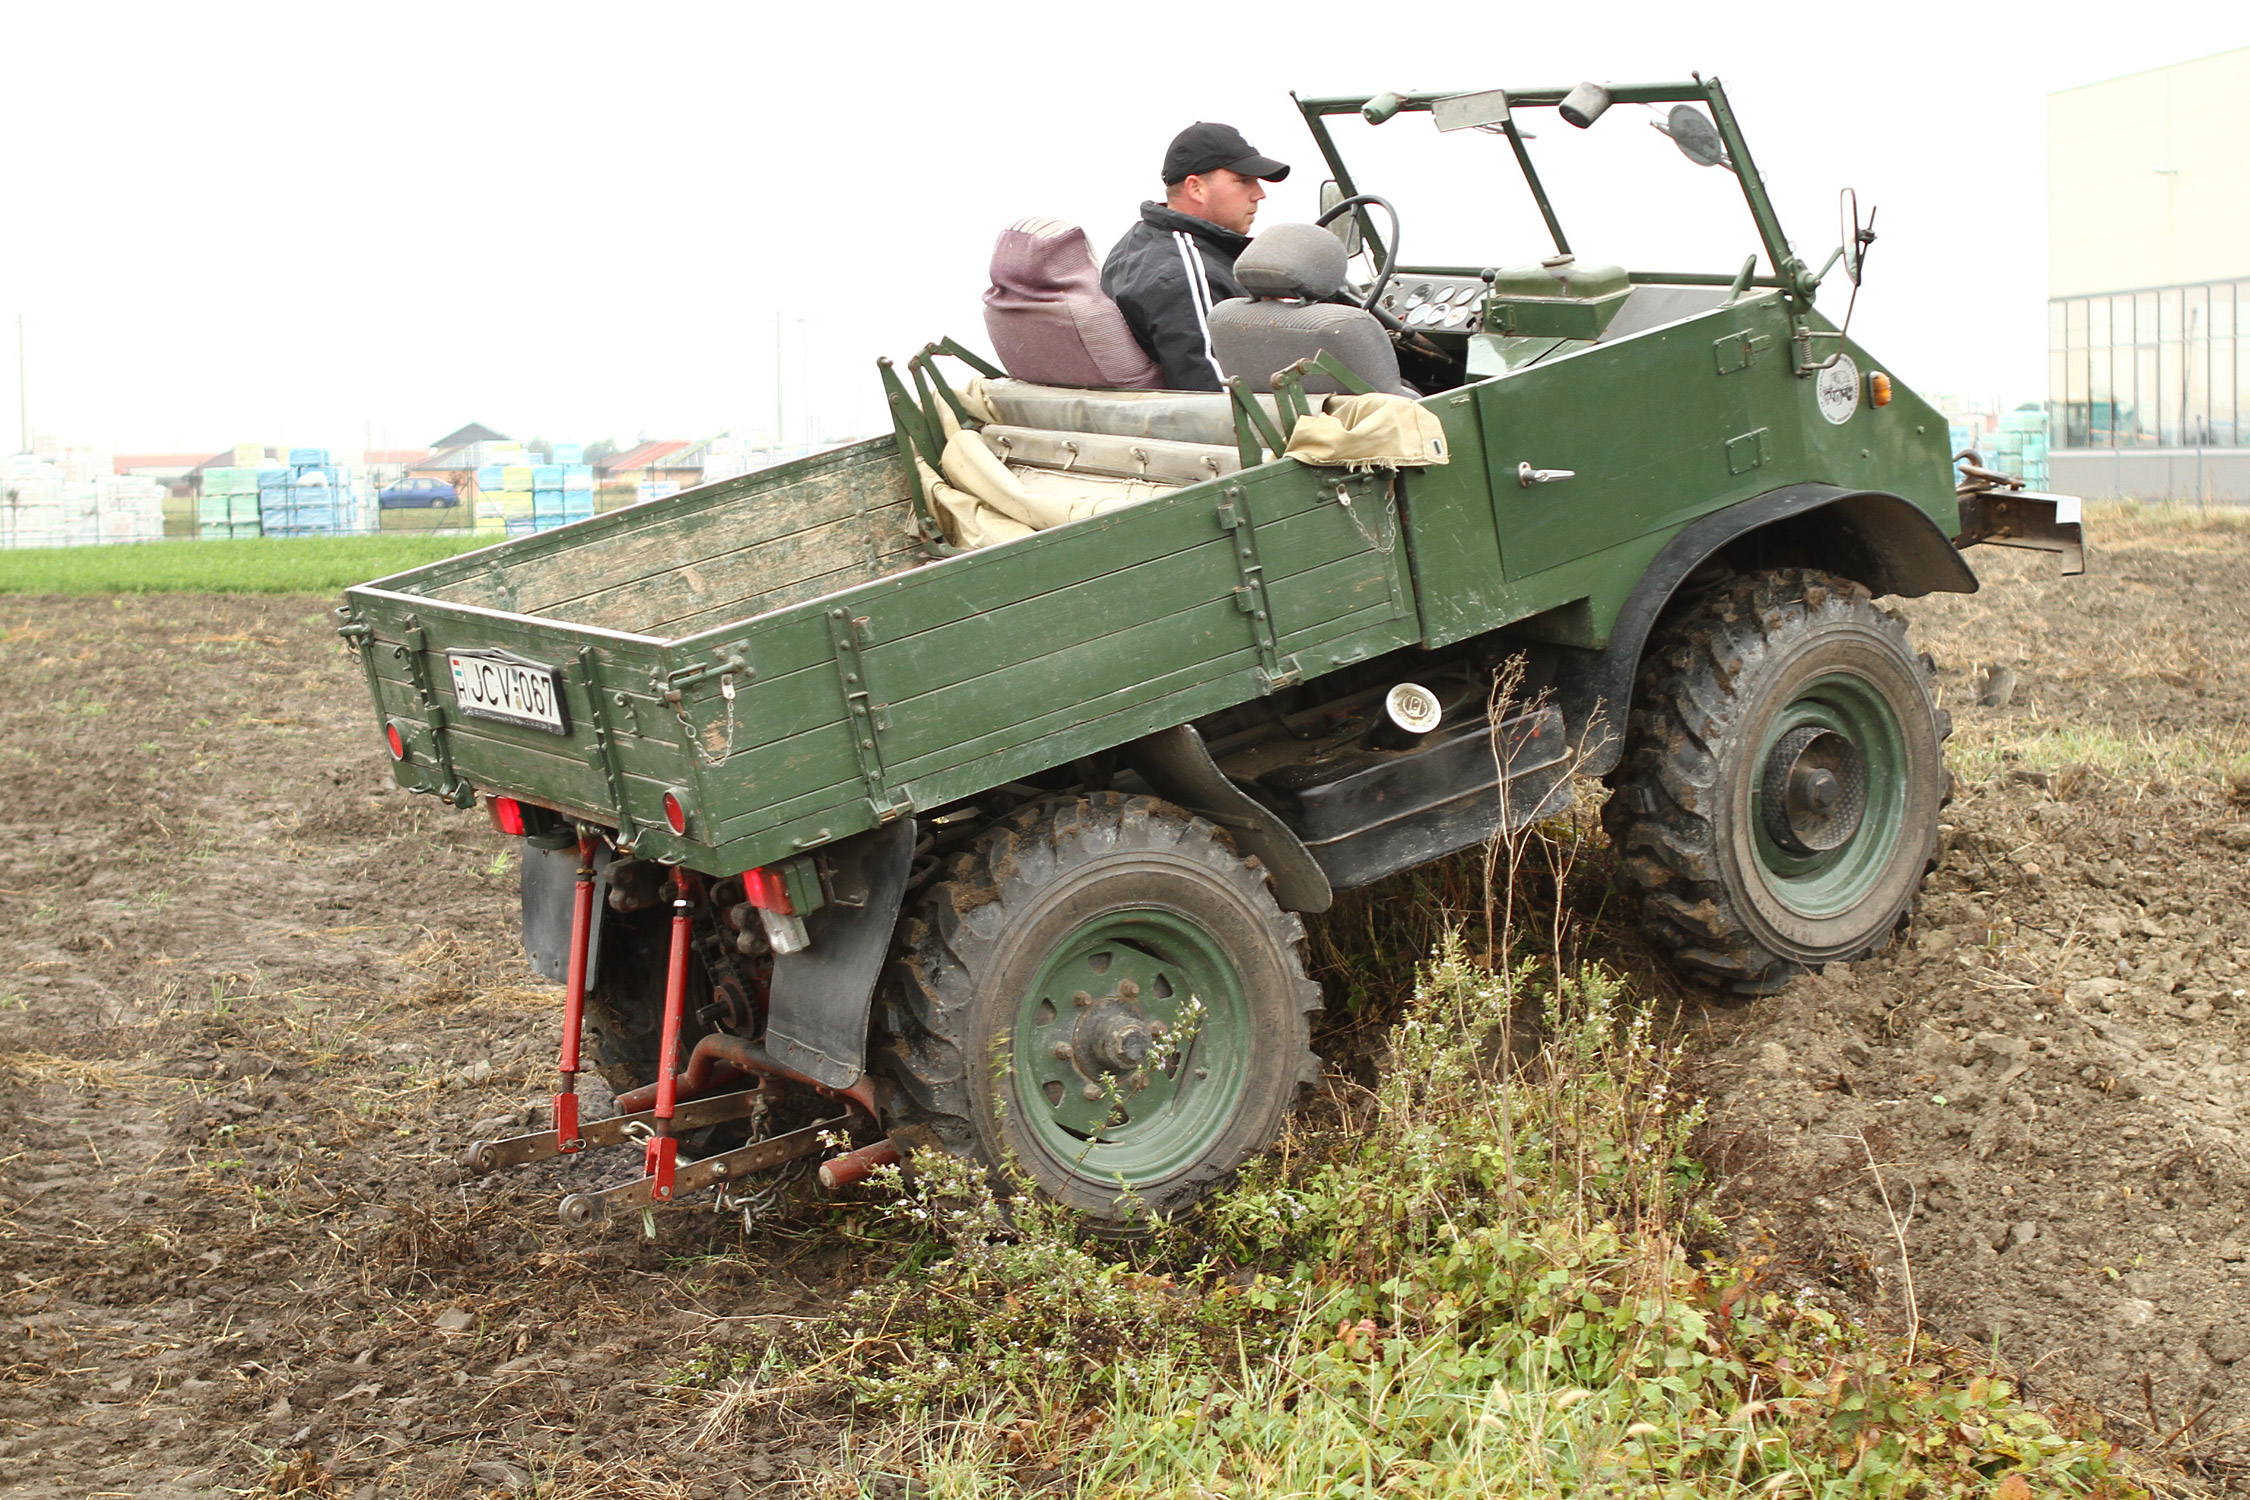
(1045, 979)
(1777, 803)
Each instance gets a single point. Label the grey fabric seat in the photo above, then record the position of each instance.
(1181, 416)
(1288, 270)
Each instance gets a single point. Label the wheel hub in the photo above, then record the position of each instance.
(1814, 790)
(1112, 1036)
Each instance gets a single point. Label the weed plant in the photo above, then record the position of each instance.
(1493, 1272)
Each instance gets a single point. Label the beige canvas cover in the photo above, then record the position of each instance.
(1374, 431)
(981, 500)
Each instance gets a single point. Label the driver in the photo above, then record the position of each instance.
(1171, 267)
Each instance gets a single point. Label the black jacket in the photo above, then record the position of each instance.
(1165, 274)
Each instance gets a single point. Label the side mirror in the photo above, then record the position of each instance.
(1346, 226)
(1698, 139)
(1856, 235)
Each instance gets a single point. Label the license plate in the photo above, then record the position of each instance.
(494, 685)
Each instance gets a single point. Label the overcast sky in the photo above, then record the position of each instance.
(321, 224)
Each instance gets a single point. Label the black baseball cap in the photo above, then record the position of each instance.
(1205, 147)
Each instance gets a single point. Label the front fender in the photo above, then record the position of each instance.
(1886, 542)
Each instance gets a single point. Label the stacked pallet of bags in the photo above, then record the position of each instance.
(520, 496)
(128, 508)
(2020, 446)
(561, 492)
(504, 491)
(228, 504)
(31, 494)
(577, 481)
(310, 496)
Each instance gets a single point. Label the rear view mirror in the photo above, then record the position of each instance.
(1698, 139)
(1856, 235)
(1345, 227)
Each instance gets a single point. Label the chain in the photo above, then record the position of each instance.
(1387, 542)
(757, 1205)
(726, 691)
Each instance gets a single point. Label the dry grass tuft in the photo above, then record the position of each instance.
(80, 1074)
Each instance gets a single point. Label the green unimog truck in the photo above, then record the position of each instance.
(960, 788)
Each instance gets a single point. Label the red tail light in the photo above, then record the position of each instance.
(767, 891)
(397, 741)
(507, 816)
(675, 814)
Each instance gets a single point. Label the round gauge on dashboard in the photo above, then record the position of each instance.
(1418, 296)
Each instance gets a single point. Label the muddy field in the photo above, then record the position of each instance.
(252, 998)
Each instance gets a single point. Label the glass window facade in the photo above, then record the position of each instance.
(2160, 369)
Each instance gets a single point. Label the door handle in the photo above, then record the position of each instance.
(1527, 476)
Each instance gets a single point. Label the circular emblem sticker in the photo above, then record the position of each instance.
(1837, 389)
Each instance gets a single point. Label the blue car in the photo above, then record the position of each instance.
(417, 492)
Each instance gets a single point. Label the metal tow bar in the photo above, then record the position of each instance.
(567, 1137)
(582, 1209)
(617, 1130)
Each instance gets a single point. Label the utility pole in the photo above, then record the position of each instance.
(778, 434)
(23, 395)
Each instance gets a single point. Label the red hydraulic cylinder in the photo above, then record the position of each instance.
(567, 1138)
(663, 1150)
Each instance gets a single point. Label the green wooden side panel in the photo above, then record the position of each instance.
(1023, 656)
(909, 686)
(738, 548)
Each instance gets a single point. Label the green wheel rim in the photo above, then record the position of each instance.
(1834, 881)
(1145, 1125)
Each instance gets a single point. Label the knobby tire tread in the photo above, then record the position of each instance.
(1685, 700)
(956, 933)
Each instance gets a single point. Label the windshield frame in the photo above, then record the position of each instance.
(1784, 270)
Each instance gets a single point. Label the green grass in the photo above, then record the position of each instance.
(1494, 1273)
(1987, 750)
(263, 565)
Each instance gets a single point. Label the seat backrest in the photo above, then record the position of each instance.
(1048, 318)
(1288, 270)
(1201, 417)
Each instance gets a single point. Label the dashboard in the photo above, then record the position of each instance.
(1435, 304)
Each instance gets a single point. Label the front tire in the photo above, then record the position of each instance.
(1105, 995)
(1777, 803)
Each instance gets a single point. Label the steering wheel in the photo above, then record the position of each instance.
(1390, 254)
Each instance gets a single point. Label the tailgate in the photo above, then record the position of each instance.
(569, 716)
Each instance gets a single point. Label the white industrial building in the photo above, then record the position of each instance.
(2148, 283)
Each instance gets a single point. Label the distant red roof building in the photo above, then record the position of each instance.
(647, 456)
(155, 463)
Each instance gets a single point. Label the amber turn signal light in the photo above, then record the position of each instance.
(1878, 389)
